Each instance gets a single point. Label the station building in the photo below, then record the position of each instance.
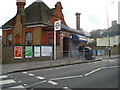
(34, 26)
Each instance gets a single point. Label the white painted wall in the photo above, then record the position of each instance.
(90, 40)
(105, 41)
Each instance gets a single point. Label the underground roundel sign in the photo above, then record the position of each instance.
(57, 25)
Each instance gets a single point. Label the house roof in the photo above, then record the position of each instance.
(37, 12)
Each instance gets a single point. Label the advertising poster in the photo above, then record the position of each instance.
(36, 51)
(18, 52)
(46, 50)
(28, 51)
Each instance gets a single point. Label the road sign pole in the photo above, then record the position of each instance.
(54, 44)
(57, 26)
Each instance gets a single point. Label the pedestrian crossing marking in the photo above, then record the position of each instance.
(1, 77)
(53, 83)
(6, 81)
(31, 74)
(20, 86)
(40, 77)
(9, 81)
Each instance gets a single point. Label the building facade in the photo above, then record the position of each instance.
(34, 26)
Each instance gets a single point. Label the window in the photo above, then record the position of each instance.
(17, 39)
(29, 38)
(51, 40)
(9, 39)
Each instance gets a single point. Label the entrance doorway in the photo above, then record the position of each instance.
(65, 46)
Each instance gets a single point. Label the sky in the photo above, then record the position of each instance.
(93, 12)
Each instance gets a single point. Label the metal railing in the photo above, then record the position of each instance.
(66, 57)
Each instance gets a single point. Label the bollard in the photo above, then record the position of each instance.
(83, 55)
(51, 55)
(69, 57)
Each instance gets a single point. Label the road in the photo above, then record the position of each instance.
(100, 74)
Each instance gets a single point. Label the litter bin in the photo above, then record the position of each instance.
(88, 54)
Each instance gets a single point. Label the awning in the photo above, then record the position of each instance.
(79, 38)
(72, 30)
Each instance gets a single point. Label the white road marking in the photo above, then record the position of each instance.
(40, 77)
(24, 72)
(67, 77)
(112, 60)
(19, 81)
(110, 67)
(1, 77)
(109, 60)
(7, 81)
(25, 84)
(66, 88)
(36, 83)
(31, 74)
(92, 71)
(53, 83)
(20, 86)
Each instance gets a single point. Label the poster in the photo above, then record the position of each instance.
(18, 52)
(46, 50)
(36, 51)
(28, 51)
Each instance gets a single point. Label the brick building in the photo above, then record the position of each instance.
(34, 26)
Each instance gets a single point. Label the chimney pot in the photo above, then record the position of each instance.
(78, 14)
(20, 3)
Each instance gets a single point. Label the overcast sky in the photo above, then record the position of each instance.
(93, 12)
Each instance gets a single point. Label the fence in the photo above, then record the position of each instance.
(16, 54)
(68, 57)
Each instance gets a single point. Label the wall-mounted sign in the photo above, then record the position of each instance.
(28, 51)
(36, 51)
(57, 25)
(18, 52)
(46, 50)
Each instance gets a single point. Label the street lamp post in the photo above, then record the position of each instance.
(108, 28)
(108, 14)
(109, 51)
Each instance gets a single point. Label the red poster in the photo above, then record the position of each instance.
(18, 52)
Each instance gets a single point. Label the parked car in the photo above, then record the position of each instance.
(88, 54)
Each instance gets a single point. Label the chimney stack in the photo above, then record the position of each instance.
(20, 8)
(114, 22)
(78, 21)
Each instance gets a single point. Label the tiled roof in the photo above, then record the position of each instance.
(37, 12)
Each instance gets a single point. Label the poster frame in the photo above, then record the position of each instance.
(15, 52)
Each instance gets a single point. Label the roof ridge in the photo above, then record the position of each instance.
(38, 1)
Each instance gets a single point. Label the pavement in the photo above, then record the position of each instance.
(18, 67)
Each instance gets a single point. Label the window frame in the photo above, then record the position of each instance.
(9, 42)
(26, 40)
(50, 41)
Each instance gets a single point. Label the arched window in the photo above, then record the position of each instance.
(9, 39)
(28, 38)
(17, 42)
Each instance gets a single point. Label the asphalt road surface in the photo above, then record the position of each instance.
(100, 74)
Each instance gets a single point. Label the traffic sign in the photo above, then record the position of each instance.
(57, 25)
